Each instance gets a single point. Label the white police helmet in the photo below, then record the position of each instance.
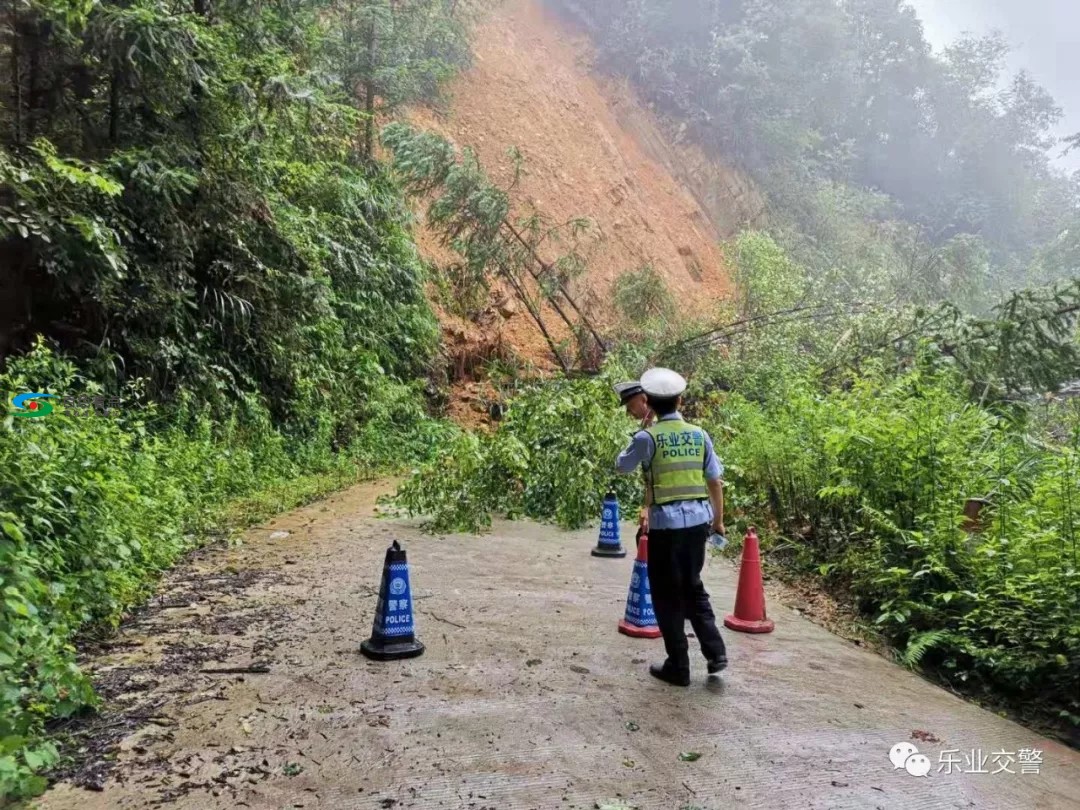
(662, 383)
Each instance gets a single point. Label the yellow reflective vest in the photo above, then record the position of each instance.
(677, 470)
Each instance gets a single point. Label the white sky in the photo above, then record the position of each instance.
(1045, 35)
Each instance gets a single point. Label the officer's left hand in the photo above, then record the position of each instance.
(718, 527)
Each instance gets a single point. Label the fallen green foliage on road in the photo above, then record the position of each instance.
(859, 465)
(551, 458)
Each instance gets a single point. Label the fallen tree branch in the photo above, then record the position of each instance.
(781, 317)
(536, 316)
(719, 333)
(547, 268)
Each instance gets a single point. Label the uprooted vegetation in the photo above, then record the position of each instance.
(472, 215)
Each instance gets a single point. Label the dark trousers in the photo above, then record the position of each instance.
(676, 557)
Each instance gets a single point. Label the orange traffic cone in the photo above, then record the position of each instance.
(639, 620)
(749, 615)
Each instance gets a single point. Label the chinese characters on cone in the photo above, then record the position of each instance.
(393, 630)
(608, 545)
(640, 619)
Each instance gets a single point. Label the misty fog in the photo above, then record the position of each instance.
(1045, 35)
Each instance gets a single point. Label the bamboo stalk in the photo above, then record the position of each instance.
(369, 92)
(523, 296)
(548, 269)
(16, 71)
(551, 299)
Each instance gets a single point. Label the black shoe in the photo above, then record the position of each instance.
(719, 665)
(668, 675)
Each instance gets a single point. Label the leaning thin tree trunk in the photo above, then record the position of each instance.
(548, 269)
(551, 299)
(523, 296)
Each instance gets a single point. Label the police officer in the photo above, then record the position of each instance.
(687, 503)
(632, 397)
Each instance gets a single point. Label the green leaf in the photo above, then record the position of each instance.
(12, 531)
(36, 760)
(12, 742)
(689, 756)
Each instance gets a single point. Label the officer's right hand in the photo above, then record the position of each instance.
(718, 526)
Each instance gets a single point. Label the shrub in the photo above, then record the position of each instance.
(642, 295)
(93, 508)
(870, 484)
(551, 458)
(767, 280)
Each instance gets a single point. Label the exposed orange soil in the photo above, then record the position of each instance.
(591, 150)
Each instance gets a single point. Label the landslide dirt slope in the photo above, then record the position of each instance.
(593, 150)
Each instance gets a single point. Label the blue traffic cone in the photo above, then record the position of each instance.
(640, 619)
(393, 631)
(608, 545)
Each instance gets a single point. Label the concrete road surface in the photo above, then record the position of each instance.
(527, 697)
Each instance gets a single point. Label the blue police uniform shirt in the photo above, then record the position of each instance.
(680, 514)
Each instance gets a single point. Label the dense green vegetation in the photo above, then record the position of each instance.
(194, 207)
(891, 171)
(869, 487)
(192, 219)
